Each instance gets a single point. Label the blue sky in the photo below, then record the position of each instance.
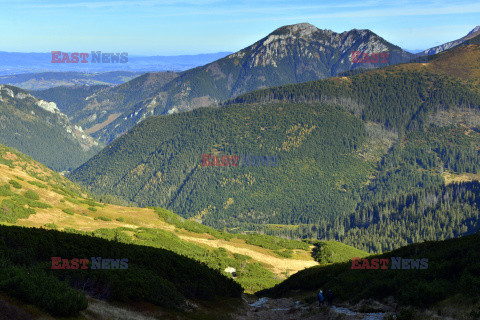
(170, 27)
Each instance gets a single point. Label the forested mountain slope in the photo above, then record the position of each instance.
(344, 145)
(69, 99)
(306, 166)
(39, 129)
(102, 108)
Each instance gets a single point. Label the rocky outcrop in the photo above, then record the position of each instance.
(49, 106)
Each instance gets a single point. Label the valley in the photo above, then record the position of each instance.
(335, 138)
(66, 207)
(240, 187)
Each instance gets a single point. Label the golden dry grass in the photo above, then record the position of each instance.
(276, 264)
(133, 217)
(464, 177)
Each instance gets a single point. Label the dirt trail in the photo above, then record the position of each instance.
(290, 309)
(279, 265)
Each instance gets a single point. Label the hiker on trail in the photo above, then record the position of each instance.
(321, 299)
(329, 296)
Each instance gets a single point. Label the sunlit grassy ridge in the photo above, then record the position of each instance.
(326, 252)
(34, 196)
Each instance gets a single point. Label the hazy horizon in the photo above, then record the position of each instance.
(171, 27)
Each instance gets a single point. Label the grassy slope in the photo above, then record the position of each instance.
(460, 62)
(326, 252)
(261, 264)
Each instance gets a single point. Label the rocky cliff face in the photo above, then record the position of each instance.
(54, 116)
(305, 40)
(39, 129)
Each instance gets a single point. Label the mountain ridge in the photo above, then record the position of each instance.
(289, 54)
(451, 44)
(342, 136)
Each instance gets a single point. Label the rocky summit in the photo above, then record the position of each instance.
(290, 54)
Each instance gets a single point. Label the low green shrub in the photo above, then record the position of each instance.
(38, 184)
(31, 195)
(15, 184)
(68, 211)
(91, 203)
(10, 211)
(103, 218)
(284, 254)
(39, 204)
(6, 191)
(47, 292)
(74, 201)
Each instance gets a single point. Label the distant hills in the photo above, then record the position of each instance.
(69, 99)
(17, 62)
(290, 54)
(46, 80)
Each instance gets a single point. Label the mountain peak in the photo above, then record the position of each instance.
(472, 34)
(475, 30)
(299, 29)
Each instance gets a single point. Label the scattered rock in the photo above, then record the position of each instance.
(371, 306)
